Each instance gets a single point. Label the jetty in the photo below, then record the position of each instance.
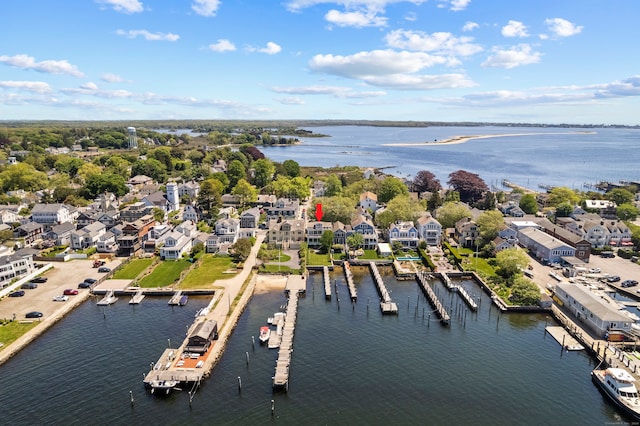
(467, 298)
(327, 282)
(566, 340)
(387, 305)
(433, 299)
(175, 299)
(137, 298)
(109, 299)
(350, 285)
(295, 287)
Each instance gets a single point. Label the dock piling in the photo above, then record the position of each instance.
(247, 353)
(131, 397)
(239, 384)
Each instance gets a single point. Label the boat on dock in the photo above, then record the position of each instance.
(109, 299)
(137, 298)
(163, 387)
(183, 300)
(175, 299)
(618, 385)
(265, 333)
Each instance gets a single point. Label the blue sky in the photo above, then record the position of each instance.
(567, 61)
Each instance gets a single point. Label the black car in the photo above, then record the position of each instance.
(84, 284)
(39, 280)
(18, 293)
(613, 278)
(629, 283)
(29, 286)
(34, 314)
(104, 269)
(90, 280)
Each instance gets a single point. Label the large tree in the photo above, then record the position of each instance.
(528, 204)
(326, 241)
(333, 186)
(22, 176)
(470, 186)
(291, 168)
(627, 211)
(401, 208)
(562, 194)
(511, 262)
(236, 171)
(391, 187)
(335, 209)
(264, 170)
(620, 196)
(489, 224)
(210, 195)
(425, 181)
(451, 212)
(106, 182)
(245, 192)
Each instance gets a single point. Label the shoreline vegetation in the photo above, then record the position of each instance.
(466, 138)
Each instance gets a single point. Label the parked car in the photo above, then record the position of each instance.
(90, 280)
(34, 314)
(613, 278)
(594, 270)
(60, 298)
(39, 280)
(84, 284)
(104, 269)
(18, 293)
(629, 283)
(70, 292)
(29, 286)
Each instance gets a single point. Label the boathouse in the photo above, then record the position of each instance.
(201, 337)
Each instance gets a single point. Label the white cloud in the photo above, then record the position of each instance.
(205, 7)
(270, 49)
(222, 45)
(470, 26)
(111, 78)
(335, 91)
(357, 19)
(298, 5)
(290, 101)
(124, 6)
(411, 17)
(513, 57)
(420, 82)
(31, 86)
(454, 5)
(440, 42)
(562, 28)
(624, 88)
(49, 66)
(515, 29)
(148, 35)
(89, 86)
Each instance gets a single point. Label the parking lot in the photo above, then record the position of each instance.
(63, 275)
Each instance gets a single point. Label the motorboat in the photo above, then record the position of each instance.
(109, 299)
(265, 333)
(183, 300)
(163, 387)
(618, 385)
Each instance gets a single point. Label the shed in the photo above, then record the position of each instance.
(384, 249)
(201, 337)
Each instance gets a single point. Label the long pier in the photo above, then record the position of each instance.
(137, 298)
(387, 305)
(175, 299)
(350, 285)
(281, 375)
(327, 282)
(433, 299)
(460, 290)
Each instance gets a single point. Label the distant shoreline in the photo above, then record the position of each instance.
(463, 139)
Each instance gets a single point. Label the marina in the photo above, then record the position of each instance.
(433, 299)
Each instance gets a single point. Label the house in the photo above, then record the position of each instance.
(61, 234)
(30, 232)
(230, 200)
(134, 234)
(361, 225)
(543, 246)
(369, 201)
(599, 313)
(227, 212)
(109, 218)
(52, 214)
(134, 211)
(192, 213)
(86, 218)
(369, 173)
(200, 338)
(250, 218)
(8, 215)
(500, 244)
(107, 243)
(139, 180)
(429, 229)
(87, 236)
(593, 231)
(467, 233)
(157, 200)
(319, 188)
(189, 189)
(285, 209)
(606, 209)
(315, 231)
(582, 246)
(404, 233)
(286, 233)
(15, 266)
(176, 244)
(341, 232)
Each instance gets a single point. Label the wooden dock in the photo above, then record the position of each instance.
(281, 375)
(108, 299)
(458, 289)
(387, 305)
(350, 285)
(327, 282)
(175, 299)
(564, 338)
(137, 298)
(433, 299)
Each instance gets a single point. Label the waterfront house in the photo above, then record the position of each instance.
(314, 233)
(107, 243)
(176, 244)
(404, 233)
(598, 312)
(543, 246)
(286, 233)
(582, 246)
(430, 229)
(201, 336)
(341, 232)
(362, 225)
(134, 234)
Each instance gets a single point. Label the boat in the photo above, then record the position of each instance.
(163, 387)
(618, 385)
(183, 300)
(109, 299)
(265, 333)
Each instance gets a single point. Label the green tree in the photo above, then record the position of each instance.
(528, 204)
(107, 182)
(151, 167)
(450, 212)
(242, 249)
(236, 171)
(119, 166)
(620, 196)
(87, 170)
(627, 212)
(333, 186)
(326, 241)
(245, 192)
(564, 210)
(400, 208)
(335, 209)
(434, 201)
(391, 187)
(22, 176)
(355, 241)
(158, 214)
(264, 170)
(511, 262)
(291, 168)
(489, 224)
(68, 165)
(562, 194)
(210, 195)
(524, 292)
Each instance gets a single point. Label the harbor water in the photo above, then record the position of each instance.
(350, 365)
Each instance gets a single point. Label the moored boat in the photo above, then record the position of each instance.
(163, 387)
(183, 300)
(265, 333)
(618, 385)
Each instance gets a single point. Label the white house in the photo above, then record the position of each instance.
(429, 229)
(404, 233)
(14, 266)
(87, 236)
(369, 201)
(51, 214)
(175, 245)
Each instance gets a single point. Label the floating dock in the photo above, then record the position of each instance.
(175, 299)
(433, 299)
(387, 305)
(564, 338)
(137, 298)
(460, 290)
(350, 285)
(327, 282)
(109, 299)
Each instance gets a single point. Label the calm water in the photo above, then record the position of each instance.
(351, 365)
(551, 156)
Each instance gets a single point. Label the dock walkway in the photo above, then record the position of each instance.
(387, 305)
(564, 338)
(137, 298)
(460, 290)
(433, 299)
(350, 285)
(327, 282)
(175, 299)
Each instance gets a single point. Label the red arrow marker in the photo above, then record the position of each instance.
(318, 212)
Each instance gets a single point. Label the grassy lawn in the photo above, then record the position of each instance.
(208, 270)
(274, 269)
(369, 254)
(318, 259)
(11, 331)
(132, 269)
(165, 274)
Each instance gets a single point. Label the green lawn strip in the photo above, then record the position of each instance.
(209, 269)
(316, 259)
(11, 331)
(165, 274)
(131, 270)
(274, 269)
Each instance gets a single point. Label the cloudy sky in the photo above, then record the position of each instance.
(542, 61)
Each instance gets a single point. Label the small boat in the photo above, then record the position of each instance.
(109, 299)
(163, 387)
(183, 300)
(265, 333)
(618, 385)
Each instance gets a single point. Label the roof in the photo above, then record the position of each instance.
(369, 195)
(593, 302)
(543, 238)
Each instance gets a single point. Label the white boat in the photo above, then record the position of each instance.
(618, 385)
(163, 387)
(109, 299)
(265, 333)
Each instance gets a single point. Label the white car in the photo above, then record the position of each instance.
(594, 270)
(61, 298)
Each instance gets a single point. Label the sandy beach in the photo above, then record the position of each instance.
(463, 139)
